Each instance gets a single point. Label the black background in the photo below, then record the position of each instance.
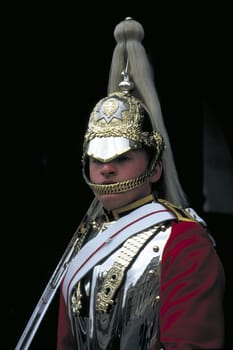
(56, 65)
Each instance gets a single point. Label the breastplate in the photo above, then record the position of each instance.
(131, 321)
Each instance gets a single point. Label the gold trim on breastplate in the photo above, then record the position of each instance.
(115, 276)
(76, 295)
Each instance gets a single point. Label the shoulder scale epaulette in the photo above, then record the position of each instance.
(180, 213)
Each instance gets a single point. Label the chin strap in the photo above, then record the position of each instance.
(121, 186)
(118, 187)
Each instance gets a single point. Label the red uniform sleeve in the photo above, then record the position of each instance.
(65, 339)
(192, 291)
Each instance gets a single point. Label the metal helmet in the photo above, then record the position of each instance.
(130, 118)
(117, 125)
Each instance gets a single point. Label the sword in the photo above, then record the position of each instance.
(56, 278)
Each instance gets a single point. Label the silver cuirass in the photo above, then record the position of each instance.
(116, 305)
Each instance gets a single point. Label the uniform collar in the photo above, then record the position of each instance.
(119, 212)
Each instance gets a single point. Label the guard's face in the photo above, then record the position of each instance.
(129, 165)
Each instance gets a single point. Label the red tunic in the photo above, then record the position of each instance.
(192, 291)
(191, 298)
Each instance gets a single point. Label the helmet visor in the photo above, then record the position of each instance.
(106, 149)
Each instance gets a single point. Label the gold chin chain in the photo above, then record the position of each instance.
(118, 187)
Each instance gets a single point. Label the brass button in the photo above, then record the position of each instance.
(151, 272)
(156, 248)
